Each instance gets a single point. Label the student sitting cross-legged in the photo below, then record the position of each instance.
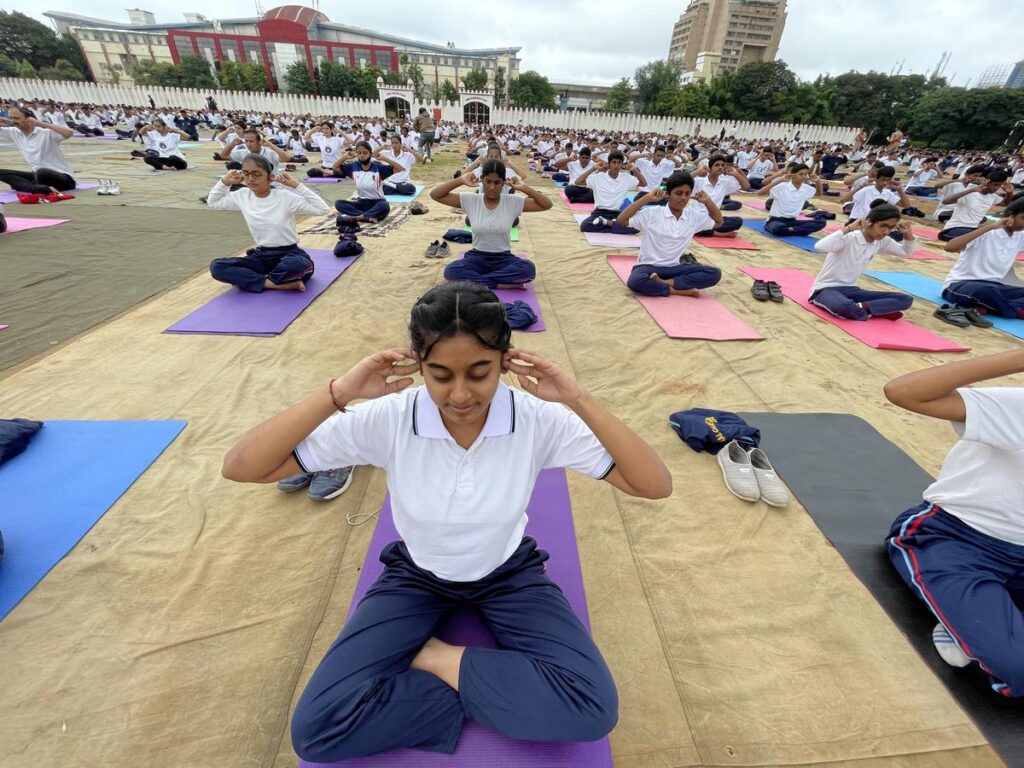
(662, 268)
(787, 197)
(610, 182)
(849, 251)
(462, 453)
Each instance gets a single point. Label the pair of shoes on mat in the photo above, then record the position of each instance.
(438, 250)
(323, 486)
(109, 187)
(688, 258)
(750, 476)
(961, 317)
(767, 291)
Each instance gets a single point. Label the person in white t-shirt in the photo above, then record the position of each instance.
(610, 182)
(961, 551)
(849, 252)
(166, 141)
(972, 175)
(787, 196)
(973, 204)
(399, 182)
(323, 139)
(276, 262)
(886, 187)
(720, 178)
(462, 455)
(663, 267)
(983, 277)
(39, 143)
(656, 167)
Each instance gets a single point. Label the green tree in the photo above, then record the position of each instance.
(62, 69)
(8, 66)
(194, 72)
(297, 78)
(810, 104)
(475, 79)
(22, 37)
(434, 92)
(363, 83)
(762, 90)
(532, 90)
(694, 101)
(412, 72)
(25, 69)
(653, 78)
(449, 92)
(67, 48)
(499, 85)
(229, 76)
(620, 97)
(669, 101)
(334, 79)
(154, 73)
(254, 76)
(954, 118)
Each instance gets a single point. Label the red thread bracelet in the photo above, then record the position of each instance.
(330, 391)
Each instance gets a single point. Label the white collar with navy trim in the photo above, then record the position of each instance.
(501, 417)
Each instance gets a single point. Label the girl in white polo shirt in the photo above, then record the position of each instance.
(462, 454)
(962, 550)
(983, 275)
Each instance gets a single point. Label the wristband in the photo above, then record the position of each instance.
(330, 391)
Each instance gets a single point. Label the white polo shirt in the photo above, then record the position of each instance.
(726, 185)
(653, 173)
(608, 192)
(982, 478)
(990, 257)
(666, 238)
(865, 196)
(849, 255)
(788, 200)
(461, 513)
(971, 209)
(405, 159)
(41, 149)
(239, 153)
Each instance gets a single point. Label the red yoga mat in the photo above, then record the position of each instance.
(683, 317)
(876, 332)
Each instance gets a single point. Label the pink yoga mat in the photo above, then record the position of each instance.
(761, 205)
(877, 332)
(4, 326)
(606, 240)
(575, 206)
(20, 225)
(682, 317)
(550, 513)
(735, 243)
(919, 255)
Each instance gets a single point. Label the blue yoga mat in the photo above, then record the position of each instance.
(927, 289)
(69, 476)
(803, 242)
(405, 198)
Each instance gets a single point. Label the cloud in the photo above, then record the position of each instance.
(593, 42)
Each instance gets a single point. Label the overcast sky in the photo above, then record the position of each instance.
(576, 41)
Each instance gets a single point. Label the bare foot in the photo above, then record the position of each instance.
(441, 660)
(297, 285)
(693, 292)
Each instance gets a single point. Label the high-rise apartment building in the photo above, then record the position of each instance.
(1002, 75)
(726, 34)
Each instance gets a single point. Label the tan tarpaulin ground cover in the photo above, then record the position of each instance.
(181, 629)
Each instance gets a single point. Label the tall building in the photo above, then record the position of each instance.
(1002, 75)
(279, 38)
(725, 35)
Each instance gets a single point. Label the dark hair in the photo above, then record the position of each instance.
(974, 169)
(585, 152)
(797, 167)
(1015, 208)
(882, 211)
(678, 179)
(886, 172)
(997, 176)
(260, 160)
(616, 155)
(660, 148)
(254, 131)
(492, 166)
(449, 309)
(719, 159)
(365, 144)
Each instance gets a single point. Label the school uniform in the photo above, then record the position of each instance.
(665, 239)
(41, 150)
(400, 182)
(982, 274)
(461, 516)
(654, 173)
(239, 153)
(271, 222)
(576, 193)
(962, 550)
(917, 185)
(330, 152)
(787, 201)
(719, 191)
(968, 214)
(848, 255)
(758, 171)
(863, 199)
(369, 188)
(490, 261)
(298, 151)
(609, 195)
(943, 212)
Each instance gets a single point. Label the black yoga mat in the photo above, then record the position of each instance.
(854, 483)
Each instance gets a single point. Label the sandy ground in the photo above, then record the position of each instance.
(182, 628)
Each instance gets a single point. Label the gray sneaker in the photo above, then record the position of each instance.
(330, 483)
(295, 482)
(431, 251)
(443, 251)
(738, 472)
(773, 490)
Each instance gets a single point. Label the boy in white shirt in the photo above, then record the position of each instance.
(787, 197)
(918, 184)
(612, 182)
(974, 203)
(576, 167)
(961, 551)
(662, 268)
(720, 178)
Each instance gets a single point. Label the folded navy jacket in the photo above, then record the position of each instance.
(704, 429)
(15, 435)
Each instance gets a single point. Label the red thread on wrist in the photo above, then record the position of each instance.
(330, 391)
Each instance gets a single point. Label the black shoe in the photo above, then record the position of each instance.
(978, 320)
(775, 292)
(688, 258)
(759, 290)
(953, 315)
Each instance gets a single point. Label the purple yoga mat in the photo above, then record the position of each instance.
(550, 513)
(508, 295)
(237, 313)
(12, 196)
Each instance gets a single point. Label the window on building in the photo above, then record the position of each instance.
(362, 57)
(184, 45)
(318, 54)
(252, 52)
(383, 60)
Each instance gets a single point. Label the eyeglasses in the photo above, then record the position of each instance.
(256, 174)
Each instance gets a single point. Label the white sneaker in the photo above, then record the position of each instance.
(103, 187)
(601, 222)
(738, 472)
(950, 652)
(773, 490)
(113, 188)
